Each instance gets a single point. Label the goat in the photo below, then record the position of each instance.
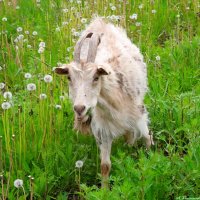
(107, 84)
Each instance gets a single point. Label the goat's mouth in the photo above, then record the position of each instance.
(83, 118)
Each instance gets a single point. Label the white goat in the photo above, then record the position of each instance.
(107, 84)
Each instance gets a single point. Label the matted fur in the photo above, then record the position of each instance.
(115, 101)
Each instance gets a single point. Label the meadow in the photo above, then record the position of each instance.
(37, 142)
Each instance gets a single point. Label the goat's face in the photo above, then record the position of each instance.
(84, 86)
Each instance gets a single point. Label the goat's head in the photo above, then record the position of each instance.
(84, 78)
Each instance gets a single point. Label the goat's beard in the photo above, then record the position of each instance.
(83, 125)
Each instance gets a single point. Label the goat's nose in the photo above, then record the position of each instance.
(79, 109)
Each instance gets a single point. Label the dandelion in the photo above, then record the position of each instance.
(48, 78)
(65, 23)
(2, 85)
(65, 10)
(83, 20)
(31, 87)
(153, 11)
(79, 164)
(78, 2)
(7, 95)
(133, 16)
(158, 58)
(62, 98)
(27, 75)
(29, 46)
(76, 34)
(27, 32)
(5, 105)
(58, 107)
(19, 29)
(57, 29)
(187, 8)
(4, 19)
(20, 37)
(35, 33)
(41, 50)
(138, 24)
(53, 69)
(140, 6)
(18, 183)
(43, 96)
(113, 8)
(42, 44)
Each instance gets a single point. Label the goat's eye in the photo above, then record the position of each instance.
(96, 79)
(69, 79)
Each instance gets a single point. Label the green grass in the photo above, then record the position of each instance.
(37, 139)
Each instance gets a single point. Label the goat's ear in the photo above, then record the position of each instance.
(64, 70)
(102, 70)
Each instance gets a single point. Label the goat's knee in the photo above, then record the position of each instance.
(105, 170)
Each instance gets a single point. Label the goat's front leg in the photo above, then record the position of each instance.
(105, 150)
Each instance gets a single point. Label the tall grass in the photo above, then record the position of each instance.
(37, 140)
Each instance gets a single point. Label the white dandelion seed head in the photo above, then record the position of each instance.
(18, 183)
(133, 16)
(59, 64)
(153, 11)
(41, 50)
(42, 44)
(35, 33)
(53, 69)
(83, 20)
(158, 58)
(5, 105)
(76, 34)
(2, 85)
(138, 24)
(31, 87)
(140, 6)
(19, 29)
(187, 8)
(27, 32)
(20, 37)
(4, 19)
(62, 97)
(64, 23)
(57, 29)
(29, 46)
(7, 95)
(113, 8)
(73, 30)
(65, 10)
(43, 96)
(37, 1)
(79, 164)
(48, 78)
(58, 107)
(27, 75)
(78, 2)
